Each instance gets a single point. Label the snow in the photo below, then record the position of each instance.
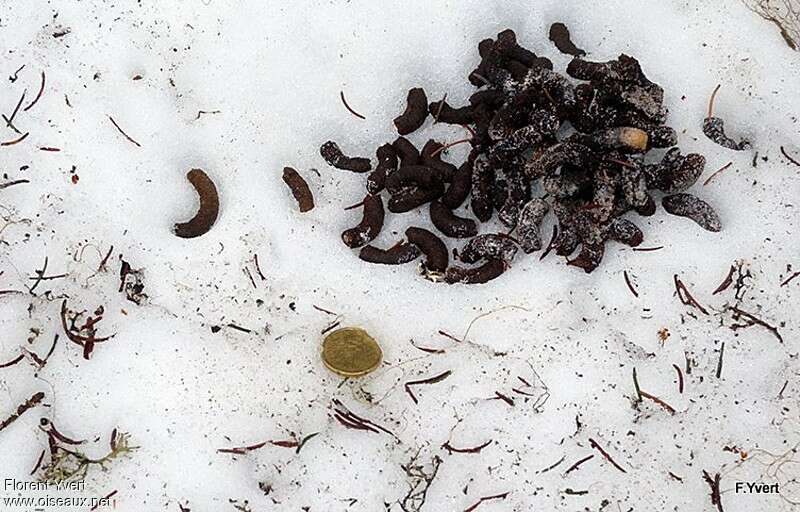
(274, 73)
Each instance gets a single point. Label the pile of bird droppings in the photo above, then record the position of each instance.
(540, 142)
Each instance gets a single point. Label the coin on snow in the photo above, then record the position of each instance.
(351, 352)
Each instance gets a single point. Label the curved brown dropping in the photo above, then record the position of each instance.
(435, 251)
(406, 152)
(491, 246)
(414, 115)
(624, 231)
(691, 207)
(370, 225)
(401, 252)
(476, 275)
(410, 198)
(451, 224)
(413, 175)
(387, 163)
(333, 155)
(589, 257)
(207, 214)
(460, 186)
(299, 188)
(446, 170)
(559, 34)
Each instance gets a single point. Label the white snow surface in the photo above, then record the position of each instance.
(273, 71)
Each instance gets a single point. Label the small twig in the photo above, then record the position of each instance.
(717, 172)
(726, 282)
(258, 268)
(719, 363)
(648, 249)
(711, 100)
(780, 393)
(323, 310)
(13, 78)
(13, 361)
(636, 386)
(605, 454)
(15, 141)
(123, 132)
(38, 95)
(347, 106)
(486, 498)
(241, 450)
(427, 349)
(450, 145)
(578, 464)
(50, 149)
(630, 285)
(795, 162)
(552, 466)
(686, 297)
(475, 449)
(551, 244)
(450, 336)
(713, 483)
(306, 439)
(790, 278)
(10, 120)
(330, 327)
(430, 380)
(660, 402)
(38, 462)
(439, 109)
(500, 396)
(680, 378)
(102, 265)
(354, 206)
(203, 112)
(754, 320)
(13, 182)
(30, 403)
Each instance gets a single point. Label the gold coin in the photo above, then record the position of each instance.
(351, 352)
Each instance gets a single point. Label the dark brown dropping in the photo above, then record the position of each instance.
(334, 157)
(398, 254)
(518, 193)
(451, 224)
(444, 113)
(489, 97)
(415, 113)
(559, 34)
(413, 175)
(435, 251)
(689, 206)
(663, 137)
(208, 211)
(675, 172)
(482, 183)
(387, 163)
(406, 152)
(445, 170)
(714, 129)
(566, 240)
(571, 153)
(489, 246)
(369, 227)
(299, 188)
(476, 275)
(624, 231)
(459, 187)
(529, 224)
(411, 198)
(589, 257)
